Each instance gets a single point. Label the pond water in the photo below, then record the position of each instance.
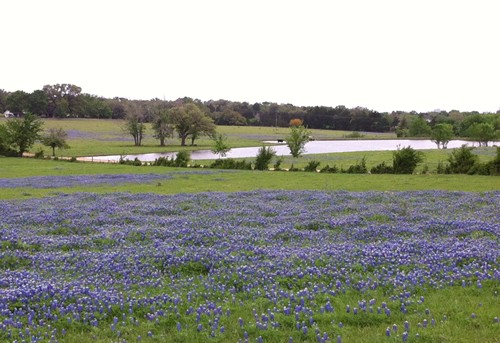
(314, 147)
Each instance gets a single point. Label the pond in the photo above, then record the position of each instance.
(313, 147)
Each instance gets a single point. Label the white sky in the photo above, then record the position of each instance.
(382, 54)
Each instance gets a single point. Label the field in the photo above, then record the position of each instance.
(273, 266)
(118, 253)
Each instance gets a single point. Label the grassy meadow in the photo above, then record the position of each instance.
(97, 252)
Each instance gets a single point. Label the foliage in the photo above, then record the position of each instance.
(220, 146)
(358, 168)
(181, 159)
(264, 157)
(328, 169)
(482, 133)
(441, 134)
(55, 138)
(161, 126)
(419, 127)
(229, 163)
(135, 127)
(277, 163)
(462, 161)
(189, 120)
(382, 168)
(296, 122)
(406, 160)
(297, 139)
(312, 166)
(21, 133)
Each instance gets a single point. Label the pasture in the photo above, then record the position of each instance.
(117, 253)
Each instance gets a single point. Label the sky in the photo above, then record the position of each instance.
(385, 55)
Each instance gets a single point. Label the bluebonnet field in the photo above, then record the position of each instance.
(262, 266)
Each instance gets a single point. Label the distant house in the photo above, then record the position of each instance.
(8, 114)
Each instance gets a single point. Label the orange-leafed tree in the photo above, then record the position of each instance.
(296, 122)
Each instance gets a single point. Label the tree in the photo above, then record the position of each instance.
(419, 127)
(189, 120)
(297, 140)
(405, 160)
(220, 147)
(135, 127)
(482, 133)
(18, 102)
(22, 133)
(56, 93)
(441, 134)
(38, 103)
(55, 138)
(161, 126)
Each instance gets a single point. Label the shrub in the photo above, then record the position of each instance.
(382, 168)
(328, 169)
(182, 159)
(264, 157)
(354, 134)
(39, 154)
(462, 161)
(312, 166)
(359, 168)
(230, 163)
(277, 163)
(406, 160)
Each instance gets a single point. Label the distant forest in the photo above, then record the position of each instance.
(68, 101)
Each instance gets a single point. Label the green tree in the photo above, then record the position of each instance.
(220, 147)
(22, 133)
(406, 160)
(91, 106)
(189, 120)
(161, 126)
(55, 138)
(441, 134)
(18, 102)
(297, 139)
(482, 133)
(38, 103)
(59, 92)
(136, 128)
(419, 127)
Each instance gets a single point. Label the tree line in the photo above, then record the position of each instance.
(67, 100)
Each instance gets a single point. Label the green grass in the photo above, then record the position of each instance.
(230, 181)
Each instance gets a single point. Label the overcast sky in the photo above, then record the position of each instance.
(382, 54)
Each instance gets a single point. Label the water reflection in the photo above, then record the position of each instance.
(314, 147)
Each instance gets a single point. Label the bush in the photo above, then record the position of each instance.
(182, 159)
(462, 161)
(382, 168)
(264, 157)
(39, 154)
(277, 163)
(359, 168)
(312, 166)
(328, 169)
(406, 160)
(230, 163)
(354, 134)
